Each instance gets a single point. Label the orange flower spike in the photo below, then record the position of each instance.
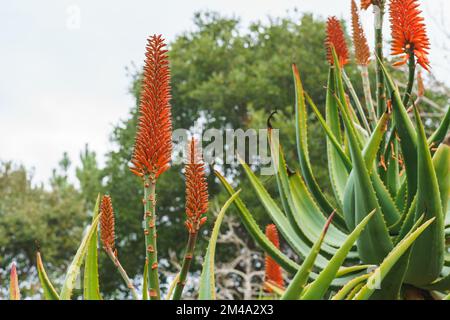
(196, 188)
(273, 269)
(365, 4)
(362, 51)
(107, 233)
(336, 38)
(153, 144)
(408, 32)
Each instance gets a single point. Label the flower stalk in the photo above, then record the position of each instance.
(149, 202)
(196, 207)
(122, 272)
(378, 10)
(107, 236)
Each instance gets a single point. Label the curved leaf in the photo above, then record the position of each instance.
(380, 273)
(432, 243)
(49, 291)
(207, 288)
(295, 288)
(320, 285)
(91, 285)
(74, 267)
(254, 230)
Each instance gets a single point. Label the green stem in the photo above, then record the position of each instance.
(357, 102)
(412, 71)
(185, 266)
(150, 236)
(368, 96)
(123, 273)
(381, 94)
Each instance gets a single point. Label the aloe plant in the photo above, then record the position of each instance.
(384, 234)
(389, 171)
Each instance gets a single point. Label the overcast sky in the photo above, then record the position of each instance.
(62, 69)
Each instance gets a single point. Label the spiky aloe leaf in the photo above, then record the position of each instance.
(254, 230)
(14, 291)
(74, 268)
(302, 146)
(406, 132)
(380, 273)
(344, 274)
(319, 286)
(275, 289)
(330, 135)
(441, 132)
(272, 209)
(369, 153)
(432, 243)
(441, 163)
(306, 217)
(295, 288)
(312, 219)
(207, 288)
(345, 290)
(91, 287)
(374, 243)
(49, 291)
(336, 167)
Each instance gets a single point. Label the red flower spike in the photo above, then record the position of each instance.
(273, 270)
(408, 32)
(336, 38)
(153, 144)
(196, 188)
(362, 51)
(107, 234)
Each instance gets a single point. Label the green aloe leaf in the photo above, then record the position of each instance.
(295, 288)
(74, 268)
(277, 216)
(311, 218)
(374, 243)
(145, 282)
(302, 145)
(49, 291)
(207, 288)
(319, 286)
(254, 230)
(303, 212)
(441, 162)
(380, 273)
(345, 290)
(441, 132)
(406, 132)
(432, 243)
(91, 283)
(330, 135)
(336, 166)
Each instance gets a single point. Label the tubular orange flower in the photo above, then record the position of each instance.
(196, 188)
(362, 51)
(408, 32)
(365, 4)
(336, 38)
(273, 269)
(153, 145)
(107, 223)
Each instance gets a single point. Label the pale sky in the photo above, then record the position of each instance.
(63, 81)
